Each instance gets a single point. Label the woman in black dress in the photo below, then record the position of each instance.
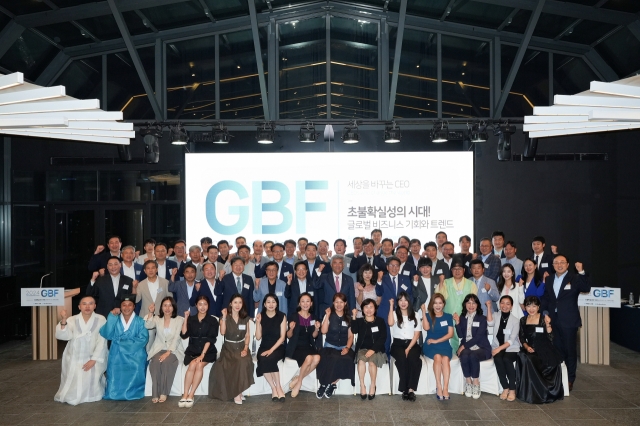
(336, 358)
(372, 334)
(303, 334)
(539, 378)
(271, 327)
(202, 331)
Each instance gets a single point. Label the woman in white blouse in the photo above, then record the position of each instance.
(167, 352)
(505, 345)
(507, 286)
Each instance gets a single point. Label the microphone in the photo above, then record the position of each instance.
(43, 277)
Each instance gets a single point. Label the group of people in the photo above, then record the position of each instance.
(401, 299)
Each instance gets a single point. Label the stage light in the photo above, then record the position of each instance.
(308, 133)
(392, 134)
(220, 135)
(151, 147)
(504, 132)
(440, 132)
(350, 133)
(478, 132)
(265, 134)
(179, 135)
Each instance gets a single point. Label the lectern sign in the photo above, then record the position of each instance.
(601, 297)
(50, 296)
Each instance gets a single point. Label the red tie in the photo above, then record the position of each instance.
(337, 285)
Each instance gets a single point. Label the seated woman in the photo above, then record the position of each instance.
(471, 326)
(233, 372)
(505, 345)
(127, 365)
(365, 287)
(405, 331)
(167, 352)
(84, 360)
(538, 363)
(336, 358)
(439, 326)
(202, 332)
(372, 334)
(507, 286)
(303, 334)
(271, 328)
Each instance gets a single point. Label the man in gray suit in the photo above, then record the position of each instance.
(487, 289)
(184, 291)
(152, 290)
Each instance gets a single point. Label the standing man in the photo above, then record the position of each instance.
(407, 267)
(367, 257)
(560, 302)
(165, 266)
(213, 289)
(380, 261)
(447, 253)
(492, 264)
(497, 239)
(130, 267)
(335, 282)
(151, 291)
(302, 248)
(510, 251)
(100, 257)
(389, 286)
(441, 238)
(184, 291)
(179, 253)
(414, 248)
(340, 247)
(465, 255)
(290, 250)
(376, 236)
(223, 247)
(487, 289)
(439, 268)
(212, 257)
(543, 260)
(238, 282)
(284, 268)
(108, 289)
(357, 247)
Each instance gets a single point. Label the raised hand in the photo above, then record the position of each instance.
(391, 302)
(63, 315)
(554, 249)
(292, 325)
(174, 271)
(135, 283)
(186, 314)
(137, 253)
(521, 282)
(415, 278)
(474, 256)
(99, 249)
(224, 313)
(456, 318)
(546, 274)
(354, 313)
(380, 275)
(317, 324)
(257, 283)
(197, 285)
(152, 308)
(298, 253)
(289, 279)
(327, 311)
(170, 252)
(489, 304)
(258, 318)
(221, 274)
(330, 253)
(356, 253)
(359, 287)
(115, 311)
(487, 286)
(547, 320)
(101, 271)
(95, 276)
(579, 267)
(230, 247)
(395, 246)
(321, 267)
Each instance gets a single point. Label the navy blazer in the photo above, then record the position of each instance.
(492, 266)
(170, 264)
(181, 295)
(292, 294)
(286, 268)
(229, 288)
(387, 291)
(563, 309)
(99, 261)
(409, 269)
(137, 268)
(547, 259)
(215, 306)
(357, 262)
(328, 286)
(102, 291)
(478, 334)
(440, 268)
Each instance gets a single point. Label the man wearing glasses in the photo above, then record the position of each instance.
(560, 302)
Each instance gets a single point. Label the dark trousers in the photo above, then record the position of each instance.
(504, 367)
(470, 362)
(565, 339)
(409, 367)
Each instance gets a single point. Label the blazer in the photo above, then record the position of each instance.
(181, 295)
(386, 290)
(563, 309)
(312, 274)
(229, 288)
(421, 294)
(292, 294)
(102, 291)
(359, 327)
(170, 264)
(99, 261)
(285, 270)
(511, 332)
(183, 265)
(263, 290)
(326, 283)
(259, 266)
(163, 341)
(492, 266)
(483, 295)
(215, 304)
(292, 343)
(137, 268)
(441, 268)
(408, 269)
(378, 264)
(546, 263)
(144, 296)
(478, 334)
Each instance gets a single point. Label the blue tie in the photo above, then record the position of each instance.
(395, 285)
(239, 285)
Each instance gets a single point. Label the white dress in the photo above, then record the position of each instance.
(84, 344)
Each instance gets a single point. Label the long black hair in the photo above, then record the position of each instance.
(473, 297)
(346, 312)
(537, 276)
(501, 281)
(411, 314)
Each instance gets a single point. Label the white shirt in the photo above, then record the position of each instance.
(439, 255)
(153, 288)
(162, 269)
(190, 288)
(539, 258)
(125, 324)
(142, 258)
(115, 279)
(212, 289)
(448, 262)
(427, 285)
(129, 271)
(408, 327)
(303, 285)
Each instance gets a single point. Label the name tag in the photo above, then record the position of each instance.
(567, 287)
(439, 271)
(539, 330)
(443, 323)
(486, 265)
(246, 286)
(159, 291)
(476, 324)
(310, 292)
(286, 274)
(125, 287)
(312, 322)
(484, 290)
(459, 292)
(138, 272)
(344, 324)
(466, 264)
(544, 265)
(405, 273)
(404, 287)
(374, 329)
(507, 331)
(278, 293)
(242, 326)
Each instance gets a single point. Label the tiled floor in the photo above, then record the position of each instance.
(602, 395)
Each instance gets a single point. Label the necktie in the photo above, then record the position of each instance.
(395, 285)
(369, 261)
(537, 260)
(337, 284)
(239, 285)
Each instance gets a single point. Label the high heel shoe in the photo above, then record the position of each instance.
(363, 396)
(374, 393)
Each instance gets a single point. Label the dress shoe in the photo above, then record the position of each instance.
(570, 386)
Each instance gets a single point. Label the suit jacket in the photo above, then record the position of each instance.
(292, 294)
(422, 293)
(99, 261)
(199, 276)
(563, 309)
(492, 266)
(102, 290)
(328, 286)
(229, 288)
(137, 268)
(484, 295)
(408, 269)
(181, 295)
(479, 334)
(501, 256)
(144, 296)
(357, 262)
(440, 268)
(387, 291)
(164, 341)
(511, 332)
(546, 263)
(170, 264)
(215, 304)
(263, 290)
(285, 270)
(259, 265)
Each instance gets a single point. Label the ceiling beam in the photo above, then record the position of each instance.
(260, 65)
(600, 66)
(53, 69)
(146, 21)
(396, 58)
(9, 34)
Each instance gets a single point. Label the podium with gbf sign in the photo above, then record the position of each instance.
(595, 333)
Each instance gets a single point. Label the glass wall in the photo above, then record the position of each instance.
(83, 78)
(571, 75)
(124, 89)
(531, 85)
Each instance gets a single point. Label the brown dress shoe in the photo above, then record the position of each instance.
(570, 386)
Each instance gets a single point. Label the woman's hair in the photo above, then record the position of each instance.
(366, 267)
(536, 278)
(506, 296)
(242, 314)
(410, 313)
(298, 309)
(270, 296)
(501, 281)
(174, 307)
(531, 300)
(366, 302)
(203, 297)
(430, 310)
(467, 298)
(347, 311)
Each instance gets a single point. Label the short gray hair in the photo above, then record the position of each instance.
(194, 247)
(129, 247)
(337, 257)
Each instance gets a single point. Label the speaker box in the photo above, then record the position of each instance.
(530, 147)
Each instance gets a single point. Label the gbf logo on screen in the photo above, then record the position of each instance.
(257, 207)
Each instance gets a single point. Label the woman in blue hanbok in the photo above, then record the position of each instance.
(127, 365)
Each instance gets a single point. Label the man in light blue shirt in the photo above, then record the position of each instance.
(510, 251)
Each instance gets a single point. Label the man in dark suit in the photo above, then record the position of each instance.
(313, 262)
(98, 261)
(109, 288)
(212, 288)
(439, 268)
(335, 282)
(407, 267)
(492, 263)
(238, 283)
(497, 240)
(560, 302)
(297, 284)
(543, 260)
(284, 268)
(367, 257)
(165, 266)
(184, 291)
(389, 286)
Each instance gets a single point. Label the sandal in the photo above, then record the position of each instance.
(293, 382)
(154, 400)
(512, 396)
(162, 398)
(504, 394)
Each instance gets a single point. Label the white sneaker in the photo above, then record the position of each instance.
(476, 391)
(468, 390)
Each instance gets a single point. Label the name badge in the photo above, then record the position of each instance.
(278, 293)
(125, 287)
(344, 324)
(466, 264)
(312, 322)
(459, 292)
(246, 286)
(539, 330)
(138, 272)
(486, 265)
(286, 274)
(310, 292)
(544, 265)
(443, 323)
(507, 331)
(405, 273)
(159, 291)
(484, 290)
(567, 287)
(476, 324)
(439, 271)
(404, 287)
(242, 326)
(374, 329)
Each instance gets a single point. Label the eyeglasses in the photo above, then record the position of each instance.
(277, 251)
(457, 268)
(559, 263)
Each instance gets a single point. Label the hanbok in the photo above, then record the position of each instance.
(454, 294)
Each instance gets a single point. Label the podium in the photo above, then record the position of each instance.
(594, 335)
(43, 328)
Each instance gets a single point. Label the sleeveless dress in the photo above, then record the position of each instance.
(437, 331)
(270, 335)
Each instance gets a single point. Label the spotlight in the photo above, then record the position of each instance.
(478, 132)
(179, 135)
(151, 147)
(265, 134)
(392, 134)
(308, 133)
(504, 132)
(220, 135)
(440, 132)
(350, 133)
